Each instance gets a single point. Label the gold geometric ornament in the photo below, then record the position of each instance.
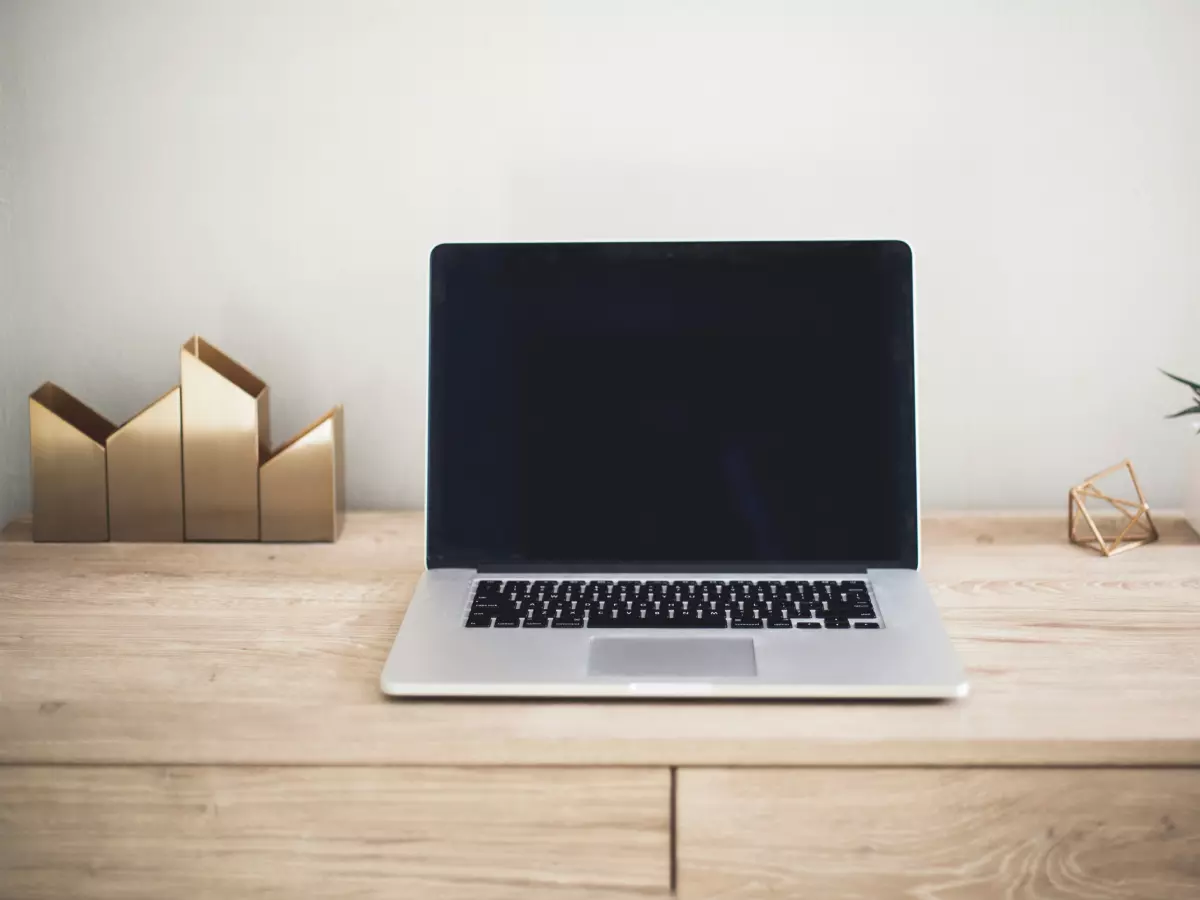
(66, 449)
(226, 436)
(302, 487)
(194, 465)
(145, 474)
(1109, 525)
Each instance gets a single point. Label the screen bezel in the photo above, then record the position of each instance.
(442, 555)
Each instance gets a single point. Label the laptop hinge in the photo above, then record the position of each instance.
(677, 568)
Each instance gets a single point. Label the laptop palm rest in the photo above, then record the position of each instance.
(673, 657)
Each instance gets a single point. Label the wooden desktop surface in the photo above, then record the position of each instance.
(166, 706)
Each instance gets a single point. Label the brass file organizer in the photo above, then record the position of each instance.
(1126, 525)
(196, 464)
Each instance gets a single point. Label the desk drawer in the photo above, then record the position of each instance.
(950, 834)
(214, 832)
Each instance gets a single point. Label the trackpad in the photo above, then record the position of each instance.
(673, 658)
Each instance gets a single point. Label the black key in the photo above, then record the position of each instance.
(539, 622)
(604, 619)
(778, 623)
(854, 585)
(808, 624)
(479, 621)
(487, 587)
(861, 614)
(567, 623)
(837, 623)
(508, 622)
(745, 623)
(866, 624)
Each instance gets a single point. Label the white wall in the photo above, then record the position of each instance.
(14, 424)
(272, 175)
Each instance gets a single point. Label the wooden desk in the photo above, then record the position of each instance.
(204, 721)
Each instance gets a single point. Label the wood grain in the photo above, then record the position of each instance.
(266, 654)
(200, 832)
(967, 834)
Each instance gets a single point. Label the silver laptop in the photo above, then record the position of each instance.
(672, 470)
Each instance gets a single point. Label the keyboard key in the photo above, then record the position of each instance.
(866, 624)
(507, 622)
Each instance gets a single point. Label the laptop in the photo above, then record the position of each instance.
(672, 470)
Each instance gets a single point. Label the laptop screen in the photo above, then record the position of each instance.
(697, 406)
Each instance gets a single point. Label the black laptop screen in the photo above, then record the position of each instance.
(701, 405)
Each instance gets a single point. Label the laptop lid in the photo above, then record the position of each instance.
(672, 406)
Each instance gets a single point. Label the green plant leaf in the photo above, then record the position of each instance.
(1195, 410)
(1193, 385)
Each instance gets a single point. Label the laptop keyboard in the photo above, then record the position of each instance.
(672, 604)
